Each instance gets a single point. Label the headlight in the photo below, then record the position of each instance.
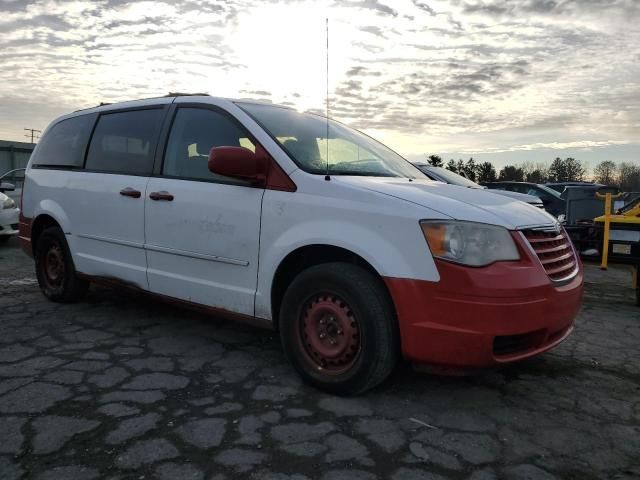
(473, 244)
(8, 203)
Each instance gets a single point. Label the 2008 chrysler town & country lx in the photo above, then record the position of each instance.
(341, 245)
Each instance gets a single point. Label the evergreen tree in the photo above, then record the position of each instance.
(471, 169)
(435, 161)
(486, 173)
(511, 173)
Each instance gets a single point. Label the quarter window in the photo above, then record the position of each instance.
(125, 142)
(194, 133)
(64, 144)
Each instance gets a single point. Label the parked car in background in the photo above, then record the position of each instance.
(9, 214)
(447, 176)
(343, 247)
(11, 184)
(553, 203)
(560, 186)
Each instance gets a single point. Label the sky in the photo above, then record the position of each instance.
(500, 80)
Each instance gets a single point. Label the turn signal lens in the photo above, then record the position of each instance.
(435, 233)
(473, 244)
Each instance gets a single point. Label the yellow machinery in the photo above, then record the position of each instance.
(620, 237)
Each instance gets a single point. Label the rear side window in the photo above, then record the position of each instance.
(64, 143)
(125, 142)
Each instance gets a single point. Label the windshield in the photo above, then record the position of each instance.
(453, 178)
(349, 152)
(550, 191)
(15, 177)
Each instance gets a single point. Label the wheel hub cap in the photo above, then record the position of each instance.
(54, 265)
(330, 333)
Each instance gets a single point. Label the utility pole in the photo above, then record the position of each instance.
(33, 133)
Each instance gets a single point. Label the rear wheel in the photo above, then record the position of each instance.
(55, 270)
(338, 328)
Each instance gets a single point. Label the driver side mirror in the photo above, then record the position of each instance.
(240, 163)
(7, 187)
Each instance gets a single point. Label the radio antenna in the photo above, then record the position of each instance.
(326, 176)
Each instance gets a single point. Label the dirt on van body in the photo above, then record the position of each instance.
(121, 386)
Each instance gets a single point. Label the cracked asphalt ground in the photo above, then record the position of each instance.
(121, 386)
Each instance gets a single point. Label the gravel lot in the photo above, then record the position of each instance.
(126, 387)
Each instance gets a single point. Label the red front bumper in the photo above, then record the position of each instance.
(479, 317)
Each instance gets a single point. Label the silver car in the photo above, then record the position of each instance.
(11, 184)
(447, 176)
(9, 199)
(9, 214)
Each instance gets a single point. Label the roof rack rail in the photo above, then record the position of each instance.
(101, 104)
(181, 94)
(170, 94)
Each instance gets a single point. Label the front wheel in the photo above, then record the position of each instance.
(338, 328)
(55, 270)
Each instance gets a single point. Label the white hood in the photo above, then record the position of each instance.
(459, 203)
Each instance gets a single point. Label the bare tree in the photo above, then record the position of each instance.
(535, 173)
(605, 173)
(629, 177)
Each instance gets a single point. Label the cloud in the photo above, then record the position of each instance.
(377, 31)
(374, 5)
(423, 6)
(577, 145)
(556, 7)
(49, 22)
(424, 75)
(259, 93)
(9, 6)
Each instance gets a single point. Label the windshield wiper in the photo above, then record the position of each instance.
(358, 173)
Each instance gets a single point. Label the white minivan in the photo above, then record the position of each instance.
(299, 223)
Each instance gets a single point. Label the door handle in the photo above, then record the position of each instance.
(162, 195)
(130, 192)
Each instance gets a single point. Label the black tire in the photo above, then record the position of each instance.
(358, 297)
(55, 270)
(4, 239)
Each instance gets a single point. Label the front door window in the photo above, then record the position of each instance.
(194, 133)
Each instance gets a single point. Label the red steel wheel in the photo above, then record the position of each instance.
(330, 334)
(54, 265)
(338, 328)
(54, 268)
